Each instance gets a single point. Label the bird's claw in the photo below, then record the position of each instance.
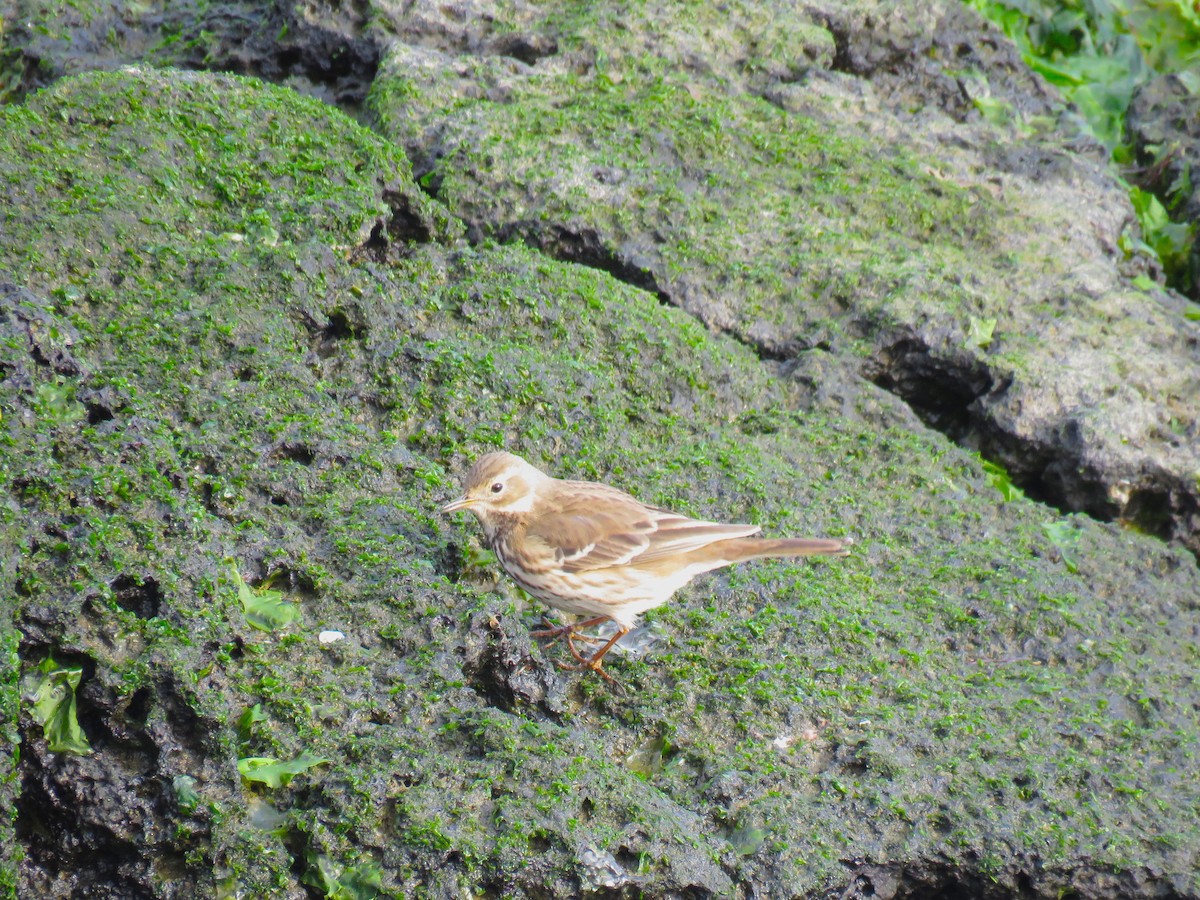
(554, 632)
(550, 630)
(583, 664)
(571, 633)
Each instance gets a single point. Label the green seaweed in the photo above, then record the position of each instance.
(276, 773)
(50, 692)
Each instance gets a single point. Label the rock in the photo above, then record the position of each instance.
(292, 356)
(851, 199)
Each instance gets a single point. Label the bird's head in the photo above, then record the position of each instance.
(498, 483)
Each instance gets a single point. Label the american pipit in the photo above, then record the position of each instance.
(592, 550)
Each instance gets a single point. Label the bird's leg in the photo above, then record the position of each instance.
(582, 660)
(571, 633)
(554, 632)
(596, 660)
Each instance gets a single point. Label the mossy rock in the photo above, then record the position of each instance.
(239, 337)
(887, 182)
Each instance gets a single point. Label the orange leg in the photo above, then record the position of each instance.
(554, 632)
(596, 661)
(582, 660)
(571, 633)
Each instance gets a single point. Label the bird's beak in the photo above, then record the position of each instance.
(461, 503)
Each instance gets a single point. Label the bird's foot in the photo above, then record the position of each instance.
(554, 632)
(595, 662)
(572, 634)
(587, 664)
(550, 630)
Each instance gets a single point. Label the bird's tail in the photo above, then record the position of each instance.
(742, 549)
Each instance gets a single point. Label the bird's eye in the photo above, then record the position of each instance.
(497, 487)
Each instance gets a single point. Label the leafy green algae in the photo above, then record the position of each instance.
(189, 381)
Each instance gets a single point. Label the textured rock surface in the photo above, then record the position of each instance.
(801, 177)
(236, 335)
(835, 187)
(324, 49)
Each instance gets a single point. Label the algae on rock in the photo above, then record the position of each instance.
(242, 331)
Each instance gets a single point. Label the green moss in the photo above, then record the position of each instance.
(281, 402)
(216, 167)
(743, 192)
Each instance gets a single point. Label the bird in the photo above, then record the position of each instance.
(592, 550)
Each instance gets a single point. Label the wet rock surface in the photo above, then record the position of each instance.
(238, 338)
(324, 49)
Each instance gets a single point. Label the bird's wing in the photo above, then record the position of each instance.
(595, 527)
(679, 534)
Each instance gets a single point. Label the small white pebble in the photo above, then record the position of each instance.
(330, 637)
(783, 741)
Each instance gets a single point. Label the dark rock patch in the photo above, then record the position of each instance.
(501, 668)
(323, 49)
(142, 597)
